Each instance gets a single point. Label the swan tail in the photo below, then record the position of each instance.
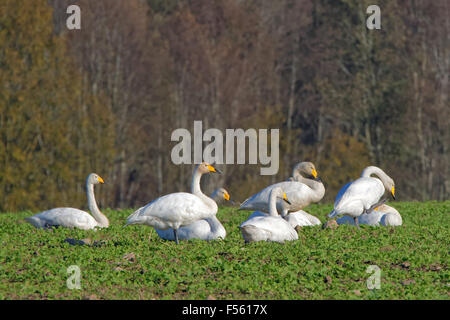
(133, 220)
(38, 223)
(332, 214)
(245, 205)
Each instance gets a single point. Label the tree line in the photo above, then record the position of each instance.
(106, 98)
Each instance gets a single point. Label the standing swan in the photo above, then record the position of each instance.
(300, 193)
(270, 227)
(206, 229)
(178, 209)
(363, 194)
(71, 217)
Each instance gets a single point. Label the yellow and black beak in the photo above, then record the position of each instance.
(226, 196)
(212, 169)
(393, 192)
(314, 173)
(285, 198)
(100, 179)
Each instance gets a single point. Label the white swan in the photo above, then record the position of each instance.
(71, 217)
(300, 193)
(383, 215)
(363, 194)
(206, 229)
(178, 209)
(262, 227)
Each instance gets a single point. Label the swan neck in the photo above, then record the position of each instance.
(367, 172)
(195, 185)
(273, 204)
(95, 211)
(196, 190)
(317, 187)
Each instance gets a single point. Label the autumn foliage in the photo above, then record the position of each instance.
(106, 98)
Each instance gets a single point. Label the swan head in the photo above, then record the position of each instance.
(220, 194)
(207, 168)
(390, 186)
(94, 178)
(306, 168)
(280, 194)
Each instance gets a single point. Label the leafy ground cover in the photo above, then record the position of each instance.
(122, 263)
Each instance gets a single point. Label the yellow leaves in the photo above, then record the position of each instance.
(342, 160)
(18, 154)
(46, 140)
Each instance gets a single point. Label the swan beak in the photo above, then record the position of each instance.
(212, 169)
(226, 196)
(393, 192)
(285, 198)
(314, 173)
(100, 179)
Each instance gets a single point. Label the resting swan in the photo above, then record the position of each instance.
(300, 193)
(363, 194)
(71, 217)
(272, 227)
(178, 209)
(383, 215)
(206, 229)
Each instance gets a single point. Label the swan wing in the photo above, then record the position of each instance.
(358, 195)
(298, 194)
(272, 228)
(302, 218)
(64, 217)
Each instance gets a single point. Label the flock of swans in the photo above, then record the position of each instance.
(278, 208)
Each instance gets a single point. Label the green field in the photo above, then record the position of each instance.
(322, 264)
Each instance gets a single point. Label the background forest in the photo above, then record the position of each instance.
(106, 98)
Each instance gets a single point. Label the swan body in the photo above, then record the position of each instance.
(363, 194)
(272, 227)
(300, 192)
(179, 209)
(206, 229)
(71, 217)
